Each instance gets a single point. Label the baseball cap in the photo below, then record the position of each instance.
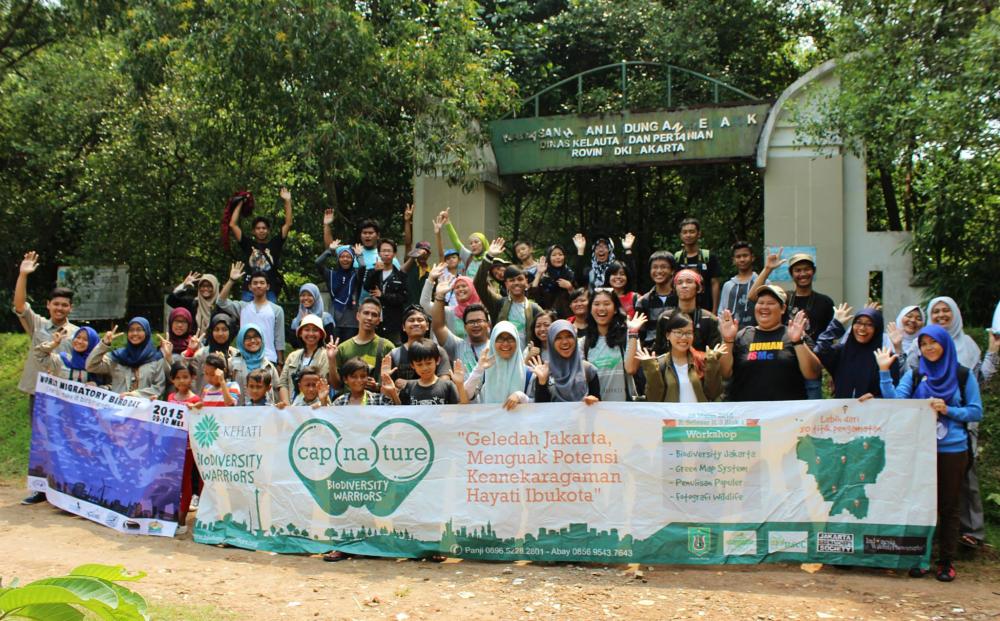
(500, 261)
(421, 245)
(800, 257)
(449, 252)
(774, 290)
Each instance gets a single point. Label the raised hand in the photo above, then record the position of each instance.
(285, 194)
(542, 266)
(628, 241)
(635, 323)
(328, 217)
(236, 271)
(324, 391)
(719, 350)
(728, 326)
(438, 222)
(437, 270)
(458, 372)
(641, 353)
(408, 213)
(872, 304)
(895, 335)
(166, 347)
(486, 359)
(496, 247)
(540, 369)
(220, 376)
(57, 337)
(332, 347)
(358, 249)
(797, 326)
(843, 313)
(774, 260)
(110, 335)
(195, 341)
(884, 357)
(190, 279)
(580, 242)
(443, 288)
(30, 262)
(388, 385)
(445, 216)
(334, 244)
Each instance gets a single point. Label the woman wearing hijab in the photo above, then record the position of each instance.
(463, 294)
(216, 342)
(566, 377)
(311, 303)
(500, 376)
(602, 255)
(202, 306)
(180, 333)
(908, 322)
(553, 281)
(852, 362)
(71, 365)
(344, 284)
(944, 312)
(135, 369)
(953, 394)
(249, 358)
(472, 256)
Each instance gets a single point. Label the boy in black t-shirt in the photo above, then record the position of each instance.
(260, 253)
(428, 388)
(818, 307)
(693, 257)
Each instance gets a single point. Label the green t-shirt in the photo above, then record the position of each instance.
(371, 352)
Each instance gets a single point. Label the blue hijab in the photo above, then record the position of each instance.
(134, 356)
(342, 281)
(253, 360)
(940, 376)
(315, 309)
(74, 359)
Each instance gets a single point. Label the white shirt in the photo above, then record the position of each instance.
(684, 384)
(263, 317)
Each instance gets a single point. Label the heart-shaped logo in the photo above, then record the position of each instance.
(377, 472)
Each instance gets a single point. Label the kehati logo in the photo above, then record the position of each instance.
(739, 542)
(376, 472)
(791, 541)
(206, 431)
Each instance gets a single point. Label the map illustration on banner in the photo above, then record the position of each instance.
(113, 460)
(819, 481)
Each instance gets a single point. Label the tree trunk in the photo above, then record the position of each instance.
(889, 196)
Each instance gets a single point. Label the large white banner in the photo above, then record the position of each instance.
(823, 481)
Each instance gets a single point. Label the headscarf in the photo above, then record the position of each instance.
(969, 353)
(598, 271)
(460, 307)
(908, 339)
(940, 376)
(74, 359)
(486, 245)
(134, 356)
(550, 282)
(342, 281)
(995, 327)
(505, 377)
(180, 343)
(857, 371)
(315, 309)
(567, 379)
(213, 346)
(253, 360)
(203, 314)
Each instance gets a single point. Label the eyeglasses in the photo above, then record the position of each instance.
(682, 335)
(473, 322)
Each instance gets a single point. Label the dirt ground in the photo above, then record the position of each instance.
(41, 541)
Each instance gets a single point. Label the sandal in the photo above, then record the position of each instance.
(970, 542)
(336, 556)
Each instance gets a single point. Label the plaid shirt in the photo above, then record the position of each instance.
(371, 398)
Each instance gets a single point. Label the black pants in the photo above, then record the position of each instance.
(951, 472)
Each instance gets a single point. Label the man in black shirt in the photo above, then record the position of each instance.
(261, 252)
(693, 257)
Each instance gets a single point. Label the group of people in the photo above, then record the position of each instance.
(566, 326)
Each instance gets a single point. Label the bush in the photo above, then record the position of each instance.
(91, 588)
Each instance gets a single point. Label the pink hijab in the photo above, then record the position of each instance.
(473, 296)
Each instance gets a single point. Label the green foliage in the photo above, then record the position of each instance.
(90, 589)
(15, 423)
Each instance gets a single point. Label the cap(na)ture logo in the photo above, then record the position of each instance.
(376, 472)
(206, 431)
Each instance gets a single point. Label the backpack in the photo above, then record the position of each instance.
(703, 254)
(963, 377)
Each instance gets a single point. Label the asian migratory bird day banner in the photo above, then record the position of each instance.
(115, 460)
(831, 481)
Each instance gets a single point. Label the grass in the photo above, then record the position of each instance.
(14, 421)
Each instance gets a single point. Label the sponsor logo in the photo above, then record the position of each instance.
(835, 542)
(377, 471)
(739, 542)
(206, 431)
(39, 484)
(882, 544)
(699, 540)
(154, 528)
(788, 541)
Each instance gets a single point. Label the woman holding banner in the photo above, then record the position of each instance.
(136, 369)
(500, 376)
(566, 377)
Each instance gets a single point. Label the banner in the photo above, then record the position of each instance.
(832, 481)
(115, 460)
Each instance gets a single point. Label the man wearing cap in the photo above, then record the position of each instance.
(416, 269)
(802, 267)
(769, 361)
(514, 306)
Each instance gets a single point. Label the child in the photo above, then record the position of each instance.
(428, 388)
(354, 374)
(217, 392)
(191, 483)
(259, 389)
(313, 389)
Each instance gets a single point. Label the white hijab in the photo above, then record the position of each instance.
(968, 352)
(908, 339)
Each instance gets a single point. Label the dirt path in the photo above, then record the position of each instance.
(41, 540)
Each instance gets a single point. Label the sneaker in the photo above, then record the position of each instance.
(194, 503)
(945, 572)
(181, 530)
(918, 572)
(34, 499)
